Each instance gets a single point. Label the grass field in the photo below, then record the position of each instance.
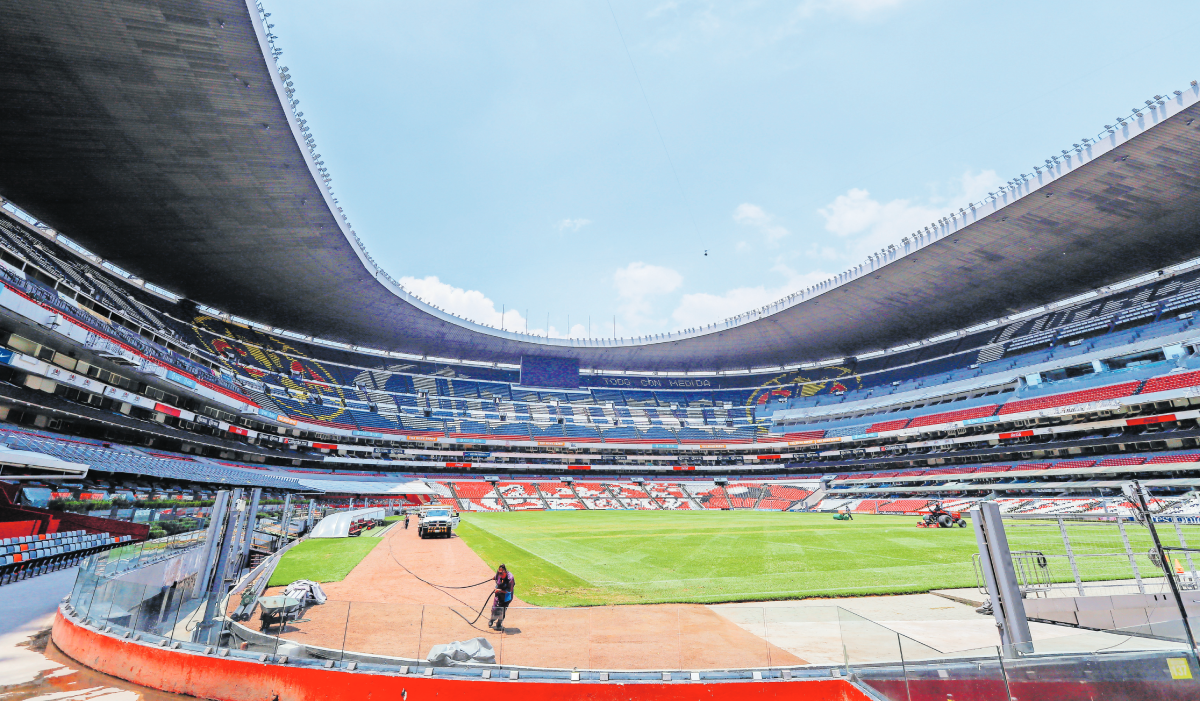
(322, 560)
(573, 558)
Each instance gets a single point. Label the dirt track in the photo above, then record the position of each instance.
(382, 609)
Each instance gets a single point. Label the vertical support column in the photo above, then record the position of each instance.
(216, 586)
(251, 523)
(231, 546)
(285, 520)
(215, 523)
(1137, 575)
(995, 560)
(1062, 529)
(308, 521)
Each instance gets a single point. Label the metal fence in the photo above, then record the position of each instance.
(1094, 555)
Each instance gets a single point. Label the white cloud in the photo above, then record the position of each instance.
(572, 224)
(475, 306)
(639, 280)
(752, 215)
(472, 305)
(701, 308)
(858, 9)
(638, 284)
(869, 225)
(669, 6)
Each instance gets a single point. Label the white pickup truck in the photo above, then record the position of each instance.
(436, 522)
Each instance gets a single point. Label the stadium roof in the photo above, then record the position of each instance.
(156, 134)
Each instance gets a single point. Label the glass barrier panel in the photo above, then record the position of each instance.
(251, 631)
(872, 655)
(1131, 663)
(84, 593)
(149, 620)
(977, 674)
(296, 628)
(721, 637)
(384, 631)
(85, 568)
(441, 625)
(123, 558)
(126, 601)
(865, 641)
(98, 608)
(1127, 665)
(607, 640)
(800, 635)
(185, 605)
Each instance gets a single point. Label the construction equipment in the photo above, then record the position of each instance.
(940, 518)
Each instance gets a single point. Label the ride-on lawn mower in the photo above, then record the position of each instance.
(940, 518)
(843, 514)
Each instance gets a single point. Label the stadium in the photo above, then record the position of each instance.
(209, 391)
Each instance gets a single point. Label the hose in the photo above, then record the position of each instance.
(444, 589)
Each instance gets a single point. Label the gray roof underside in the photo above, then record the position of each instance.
(130, 127)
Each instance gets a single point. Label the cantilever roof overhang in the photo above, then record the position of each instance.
(155, 134)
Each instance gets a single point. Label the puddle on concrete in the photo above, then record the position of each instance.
(71, 681)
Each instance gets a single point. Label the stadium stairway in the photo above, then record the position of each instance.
(576, 493)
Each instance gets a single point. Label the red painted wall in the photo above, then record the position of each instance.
(91, 524)
(13, 529)
(55, 521)
(223, 679)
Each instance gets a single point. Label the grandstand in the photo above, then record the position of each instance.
(132, 344)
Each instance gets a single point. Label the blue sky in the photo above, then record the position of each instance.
(577, 159)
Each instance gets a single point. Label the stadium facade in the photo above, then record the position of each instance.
(179, 275)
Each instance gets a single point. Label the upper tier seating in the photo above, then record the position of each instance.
(1094, 394)
(1173, 381)
(951, 416)
(1174, 458)
(131, 461)
(803, 435)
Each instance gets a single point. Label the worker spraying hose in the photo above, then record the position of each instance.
(502, 596)
(502, 574)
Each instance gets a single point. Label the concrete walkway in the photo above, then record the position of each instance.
(933, 626)
(27, 608)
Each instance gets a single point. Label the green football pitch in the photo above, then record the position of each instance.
(573, 558)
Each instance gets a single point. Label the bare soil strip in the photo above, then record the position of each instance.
(382, 609)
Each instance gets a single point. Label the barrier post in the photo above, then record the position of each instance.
(285, 520)
(1187, 553)
(995, 559)
(220, 503)
(251, 521)
(216, 586)
(1062, 529)
(1138, 498)
(1137, 574)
